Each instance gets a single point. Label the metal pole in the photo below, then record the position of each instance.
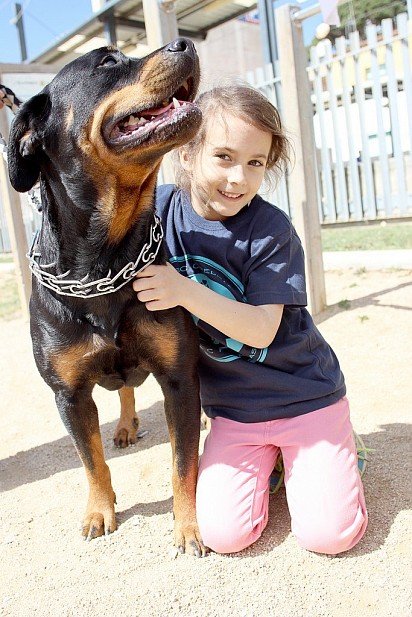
(18, 20)
(110, 30)
(272, 31)
(267, 31)
(269, 42)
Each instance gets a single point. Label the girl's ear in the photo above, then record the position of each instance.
(185, 160)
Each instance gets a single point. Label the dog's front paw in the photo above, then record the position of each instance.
(126, 432)
(188, 540)
(100, 519)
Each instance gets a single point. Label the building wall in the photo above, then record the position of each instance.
(231, 49)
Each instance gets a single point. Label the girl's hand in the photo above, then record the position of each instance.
(159, 287)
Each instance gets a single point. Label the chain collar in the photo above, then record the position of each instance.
(64, 286)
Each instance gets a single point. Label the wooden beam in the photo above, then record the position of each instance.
(297, 115)
(161, 26)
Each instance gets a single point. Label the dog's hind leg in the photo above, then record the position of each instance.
(183, 418)
(126, 429)
(80, 416)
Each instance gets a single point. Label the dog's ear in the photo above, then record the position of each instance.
(25, 140)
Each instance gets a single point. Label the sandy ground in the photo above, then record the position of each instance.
(47, 569)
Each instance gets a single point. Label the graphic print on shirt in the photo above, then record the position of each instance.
(218, 279)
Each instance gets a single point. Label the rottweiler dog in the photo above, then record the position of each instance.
(96, 136)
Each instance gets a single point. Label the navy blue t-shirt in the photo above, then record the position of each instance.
(254, 257)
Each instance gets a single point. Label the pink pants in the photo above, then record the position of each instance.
(323, 486)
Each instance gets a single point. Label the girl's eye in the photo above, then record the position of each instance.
(108, 61)
(256, 163)
(224, 157)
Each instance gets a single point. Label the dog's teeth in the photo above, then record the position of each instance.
(131, 120)
(176, 103)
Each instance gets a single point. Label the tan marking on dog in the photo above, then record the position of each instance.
(100, 516)
(125, 190)
(126, 429)
(128, 207)
(143, 94)
(127, 402)
(161, 342)
(186, 530)
(69, 118)
(71, 363)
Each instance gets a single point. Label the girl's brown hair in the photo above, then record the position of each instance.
(240, 100)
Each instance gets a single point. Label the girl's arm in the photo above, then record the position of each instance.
(161, 287)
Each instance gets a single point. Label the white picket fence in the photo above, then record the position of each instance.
(362, 99)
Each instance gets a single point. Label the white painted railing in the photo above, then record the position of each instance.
(363, 123)
(362, 100)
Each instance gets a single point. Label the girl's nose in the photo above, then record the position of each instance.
(236, 175)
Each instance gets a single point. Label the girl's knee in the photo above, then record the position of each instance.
(334, 537)
(231, 526)
(225, 537)
(327, 544)
(231, 514)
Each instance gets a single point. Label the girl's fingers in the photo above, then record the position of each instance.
(149, 271)
(143, 284)
(147, 296)
(144, 273)
(155, 305)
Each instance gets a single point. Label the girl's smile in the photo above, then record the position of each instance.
(231, 195)
(229, 168)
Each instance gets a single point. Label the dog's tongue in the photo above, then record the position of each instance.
(156, 112)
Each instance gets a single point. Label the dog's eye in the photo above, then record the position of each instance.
(108, 61)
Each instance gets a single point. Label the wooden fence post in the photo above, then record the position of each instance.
(297, 115)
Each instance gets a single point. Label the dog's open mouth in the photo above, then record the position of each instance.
(145, 124)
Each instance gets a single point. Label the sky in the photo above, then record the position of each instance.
(46, 21)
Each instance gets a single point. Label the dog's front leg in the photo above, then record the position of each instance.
(80, 416)
(183, 418)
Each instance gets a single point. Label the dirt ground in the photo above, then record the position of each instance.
(47, 569)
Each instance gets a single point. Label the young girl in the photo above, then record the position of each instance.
(269, 382)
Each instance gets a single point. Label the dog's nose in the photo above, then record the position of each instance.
(181, 44)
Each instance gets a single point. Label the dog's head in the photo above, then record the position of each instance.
(108, 113)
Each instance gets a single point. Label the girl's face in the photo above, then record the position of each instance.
(229, 168)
